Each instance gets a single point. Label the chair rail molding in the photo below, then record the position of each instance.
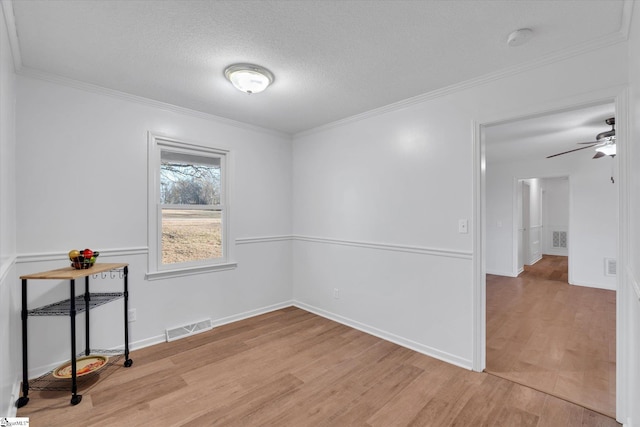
(450, 253)
(57, 256)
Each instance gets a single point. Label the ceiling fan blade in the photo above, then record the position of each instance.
(570, 151)
(599, 154)
(592, 142)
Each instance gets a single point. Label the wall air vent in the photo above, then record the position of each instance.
(188, 330)
(559, 239)
(610, 267)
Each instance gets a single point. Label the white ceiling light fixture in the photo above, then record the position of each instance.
(249, 78)
(609, 149)
(519, 37)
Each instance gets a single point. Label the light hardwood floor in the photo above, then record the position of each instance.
(293, 368)
(552, 336)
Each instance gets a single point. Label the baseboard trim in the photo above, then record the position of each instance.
(553, 252)
(502, 273)
(14, 398)
(596, 286)
(159, 339)
(387, 336)
(535, 260)
(251, 313)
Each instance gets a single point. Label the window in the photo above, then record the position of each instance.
(188, 219)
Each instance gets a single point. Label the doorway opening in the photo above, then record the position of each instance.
(540, 332)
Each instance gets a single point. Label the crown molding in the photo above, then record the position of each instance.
(12, 32)
(93, 88)
(625, 21)
(619, 36)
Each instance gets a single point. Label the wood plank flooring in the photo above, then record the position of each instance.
(552, 336)
(550, 267)
(293, 368)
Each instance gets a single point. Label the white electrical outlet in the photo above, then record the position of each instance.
(336, 293)
(132, 315)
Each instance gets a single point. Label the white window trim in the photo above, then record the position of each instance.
(155, 269)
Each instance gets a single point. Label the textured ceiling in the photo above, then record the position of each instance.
(332, 59)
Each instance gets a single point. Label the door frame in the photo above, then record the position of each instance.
(619, 96)
(525, 219)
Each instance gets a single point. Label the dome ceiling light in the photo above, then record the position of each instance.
(249, 78)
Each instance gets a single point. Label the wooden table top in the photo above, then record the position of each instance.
(69, 273)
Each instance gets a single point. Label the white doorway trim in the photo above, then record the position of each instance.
(525, 222)
(618, 95)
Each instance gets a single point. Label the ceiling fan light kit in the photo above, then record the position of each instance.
(607, 150)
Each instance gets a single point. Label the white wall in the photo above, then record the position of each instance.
(9, 313)
(555, 212)
(632, 290)
(403, 178)
(593, 209)
(85, 154)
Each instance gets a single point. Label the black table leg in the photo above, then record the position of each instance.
(127, 362)
(24, 399)
(87, 300)
(75, 398)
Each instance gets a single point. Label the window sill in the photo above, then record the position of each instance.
(166, 274)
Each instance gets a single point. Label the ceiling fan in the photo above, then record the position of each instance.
(605, 143)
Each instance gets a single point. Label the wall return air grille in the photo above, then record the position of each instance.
(188, 330)
(610, 267)
(559, 239)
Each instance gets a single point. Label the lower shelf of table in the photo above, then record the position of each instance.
(63, 308)
(48, 382)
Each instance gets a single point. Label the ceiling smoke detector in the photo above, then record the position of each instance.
(519, 37)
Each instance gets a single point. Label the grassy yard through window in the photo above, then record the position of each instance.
(190, 235)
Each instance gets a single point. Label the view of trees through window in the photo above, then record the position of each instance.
(190, 194)
(189, 184)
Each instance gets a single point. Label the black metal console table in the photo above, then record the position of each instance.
(72, 306)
